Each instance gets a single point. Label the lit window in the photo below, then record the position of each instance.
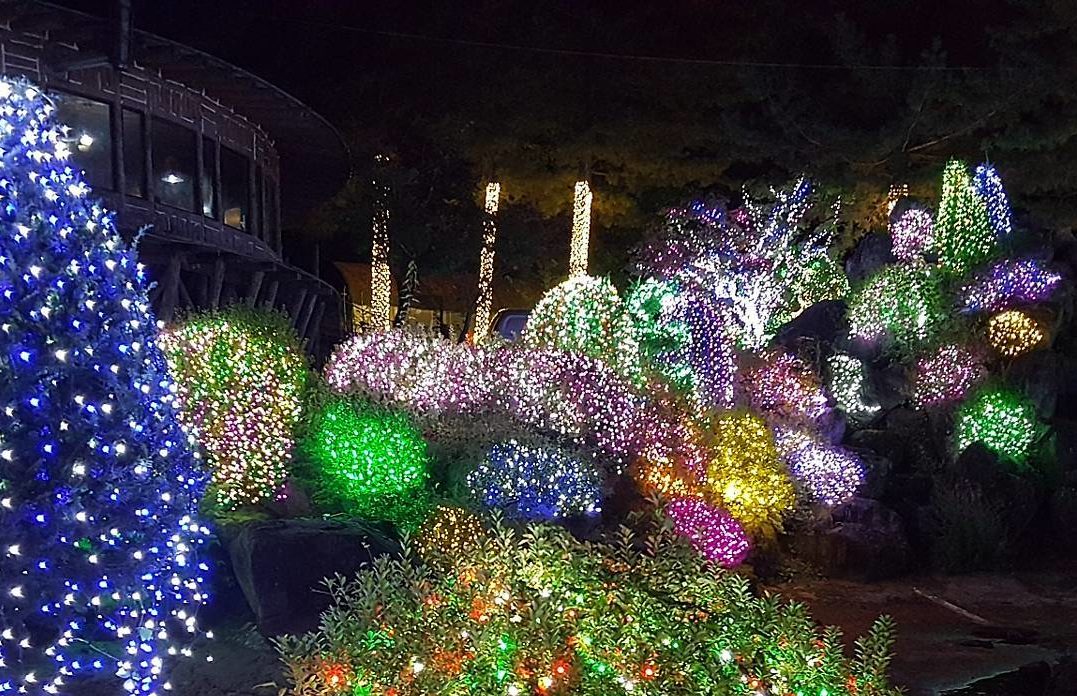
(235, 188)
(209, 178)
(134, 153)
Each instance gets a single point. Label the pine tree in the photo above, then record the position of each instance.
(98, 539)
(964, 236)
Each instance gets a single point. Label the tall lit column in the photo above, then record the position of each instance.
(897, 192)
(379, 252)
(581, 230)
(486, 262)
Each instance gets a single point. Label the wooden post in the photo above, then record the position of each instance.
(170, 288)
(255, 287)
(307, 311)
(296, 307)
(270, 299)
(216, 284)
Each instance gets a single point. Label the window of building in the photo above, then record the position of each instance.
(209, 178)
(90, 137)
(235, 188)
(272, 223)
(259, 202)
(174, 164)
(134, 153)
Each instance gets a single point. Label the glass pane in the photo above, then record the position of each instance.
(235, 188)
(90, 137)
(174, 163)
(272, 223)
(134, 153)
(259, 215)
(209, 178)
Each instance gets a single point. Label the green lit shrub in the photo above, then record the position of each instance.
(900, 308)
(367, 461)
(1003, 420)
(540, 612)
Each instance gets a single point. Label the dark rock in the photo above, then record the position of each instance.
(864, 540)
(1040, 375)
(1063, 515)
(823, 321)
(877, 471)
(871, 253)
(292, 501)
(1064, 677)
(280, 566)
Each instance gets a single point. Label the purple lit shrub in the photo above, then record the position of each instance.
(712, 532)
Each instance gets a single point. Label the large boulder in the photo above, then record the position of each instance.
(823, 322)
(280, 565)
(863, 540)
(872, 252)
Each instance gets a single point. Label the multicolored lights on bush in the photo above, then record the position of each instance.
(1014, 332)
(240, 376)
(899, 307)
(912, 234)
(99, 487)
(1010, 283)
(536, 482)
(372, 461)
(447, 533)
(1003, 420)
(964, 236)
(830, 475)
(712, 532)
(945, 376)
(542, 614)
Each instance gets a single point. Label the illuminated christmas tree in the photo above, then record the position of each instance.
(964, 236)
(99, 485)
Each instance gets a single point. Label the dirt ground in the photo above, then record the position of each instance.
(1026, 618)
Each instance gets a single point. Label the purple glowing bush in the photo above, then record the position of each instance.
(912, 234)
(829, 475)
(785, 391)
(946, 376)
(712, 532)
(1010, 283)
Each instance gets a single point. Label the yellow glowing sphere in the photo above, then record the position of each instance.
(746, 475)
(448, 532)
(1013, 332)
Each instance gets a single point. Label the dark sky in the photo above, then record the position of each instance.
(329, 53)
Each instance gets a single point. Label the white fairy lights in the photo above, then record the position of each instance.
(380, 282)
(486, 262)
(581, 230)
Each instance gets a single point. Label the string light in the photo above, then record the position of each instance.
(1002, 420)
(447, 533)
(784, 390)
(894, 196)
(848, 379)
(946, 376)
(912, 235)
(539, 613)
(900, 306)
(745, 473)
(536, 482)
(380, 281)
(1010, 283)
(581, 230)
(372, 461)
(486, 261)
(712, 532)
(240, 376)
(963, 233)
(586, 315)
(1014, 332)
(101, 540)
(988, 185)
(830, 475)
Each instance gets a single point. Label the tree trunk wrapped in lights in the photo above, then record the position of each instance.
(581, 230)
(380, 282)
(486, 262)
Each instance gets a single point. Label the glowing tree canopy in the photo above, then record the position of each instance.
(901, 307)
(912, 235)
(964, 236)
(542, 613)
(240, 375)
(756, 267)
(536, 482)
(1003, 420)
(988, 185)
(784, 390)
(586, 315)
(99, 484)
(370, 461)
(946, 376)
(1010, 283)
